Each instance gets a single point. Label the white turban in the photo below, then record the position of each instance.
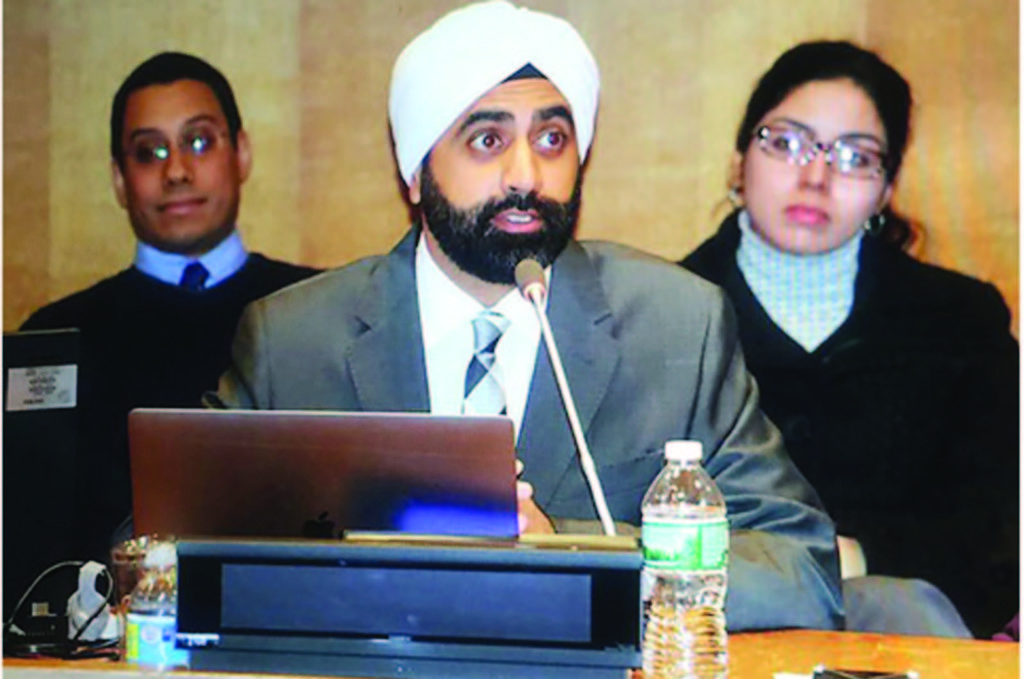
(471, 50)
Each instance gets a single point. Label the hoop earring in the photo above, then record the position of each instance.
(734, 197)
(875, 224)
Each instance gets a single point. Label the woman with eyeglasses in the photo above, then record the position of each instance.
(894, 382)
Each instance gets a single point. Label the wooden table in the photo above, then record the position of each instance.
(751, 656)
(760, 655)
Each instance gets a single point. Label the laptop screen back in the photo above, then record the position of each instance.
(273, 473)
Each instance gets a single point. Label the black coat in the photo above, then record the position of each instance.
(905, 420)
(144, 344)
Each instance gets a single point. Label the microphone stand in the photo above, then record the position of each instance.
(535, 292)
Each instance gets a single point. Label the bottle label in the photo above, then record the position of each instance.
(686, 544)
(149, 641)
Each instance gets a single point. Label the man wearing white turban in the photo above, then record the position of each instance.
(492, 111)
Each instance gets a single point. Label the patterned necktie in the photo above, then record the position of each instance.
(485, 393)
(193, 278)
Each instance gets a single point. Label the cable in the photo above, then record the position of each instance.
(66, 649)
(107, 601)
(32, 587)
(69, 649)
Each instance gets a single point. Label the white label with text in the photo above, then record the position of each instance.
(44, 387)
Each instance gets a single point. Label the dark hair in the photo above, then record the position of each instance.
(166, 68)
(834, 60)
(814, 61)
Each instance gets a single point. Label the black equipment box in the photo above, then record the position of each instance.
(402, 606)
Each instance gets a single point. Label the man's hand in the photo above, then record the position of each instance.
(531, 518)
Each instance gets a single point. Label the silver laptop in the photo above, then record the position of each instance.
(317, 474)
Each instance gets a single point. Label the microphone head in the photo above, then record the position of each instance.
(530, 279)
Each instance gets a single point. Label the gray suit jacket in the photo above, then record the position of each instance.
(651, 354)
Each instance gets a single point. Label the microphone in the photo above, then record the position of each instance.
(530, 281)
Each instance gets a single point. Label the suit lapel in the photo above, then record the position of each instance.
(581, 323)
(386, 362)
(389, 372)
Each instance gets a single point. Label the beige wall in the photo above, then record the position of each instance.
(311, 77)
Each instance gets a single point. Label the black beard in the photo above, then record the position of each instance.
(475, 246)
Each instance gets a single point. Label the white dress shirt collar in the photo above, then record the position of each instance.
(222, 262)
(446, 315)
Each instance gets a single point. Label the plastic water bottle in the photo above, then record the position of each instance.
(685, 537)
(151, 616)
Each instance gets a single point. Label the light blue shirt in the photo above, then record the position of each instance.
(222, 262)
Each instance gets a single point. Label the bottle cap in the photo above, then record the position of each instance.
(161, 555)
(684, 451)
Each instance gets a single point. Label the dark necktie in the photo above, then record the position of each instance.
(485, 393)
(193, 278)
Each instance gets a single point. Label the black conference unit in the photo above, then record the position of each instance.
(402, 607)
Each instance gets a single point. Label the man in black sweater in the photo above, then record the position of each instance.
(158, 334)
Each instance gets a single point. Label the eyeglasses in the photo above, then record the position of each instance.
(799, 147)
(196, 140)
